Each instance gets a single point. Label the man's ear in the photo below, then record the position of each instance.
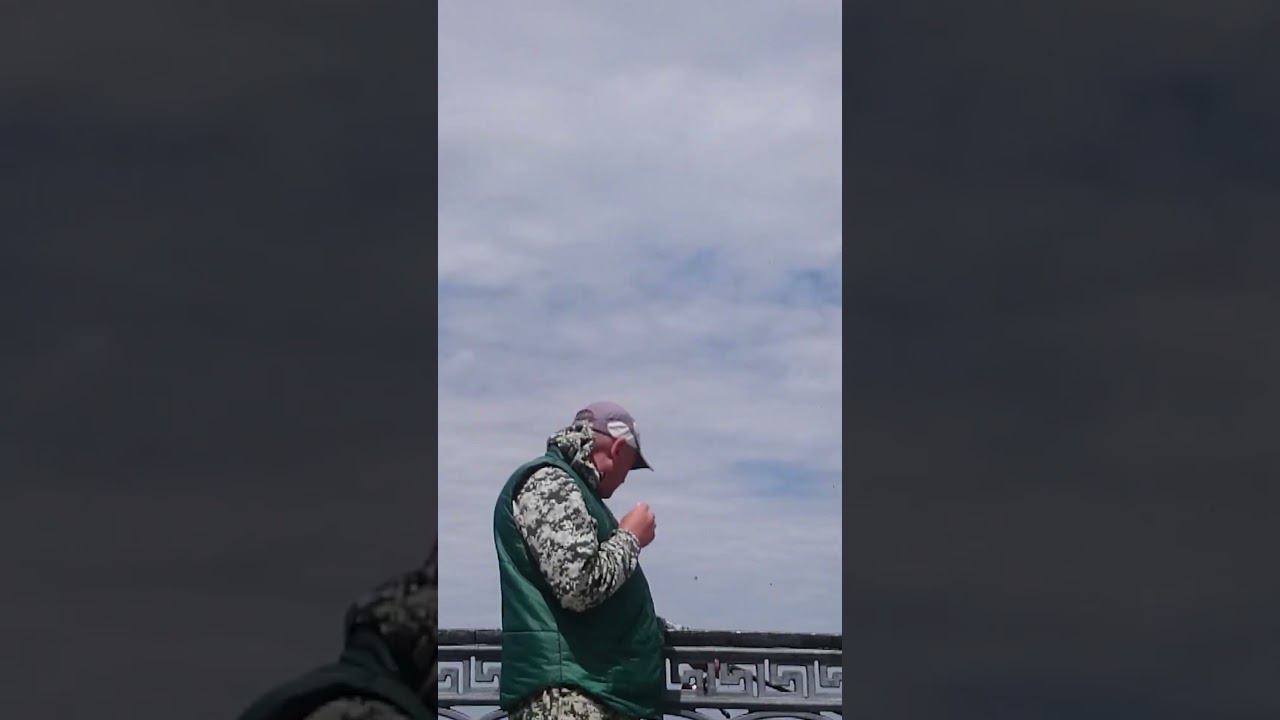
(616, 449)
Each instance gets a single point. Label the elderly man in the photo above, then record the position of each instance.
(580, 638)
(387, 670)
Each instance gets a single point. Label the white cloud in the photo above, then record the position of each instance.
(626, 194)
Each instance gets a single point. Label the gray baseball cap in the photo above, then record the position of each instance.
(613, 420)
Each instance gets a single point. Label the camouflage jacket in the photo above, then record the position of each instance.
(557, 703)
(561, 535)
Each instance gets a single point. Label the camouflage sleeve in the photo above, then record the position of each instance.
(561, 535)
(403, 612)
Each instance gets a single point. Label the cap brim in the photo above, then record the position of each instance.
(641, 464)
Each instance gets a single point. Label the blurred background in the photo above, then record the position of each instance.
(218, 307)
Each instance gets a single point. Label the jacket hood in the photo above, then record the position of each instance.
(575, 444)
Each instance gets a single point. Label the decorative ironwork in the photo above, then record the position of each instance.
(711, 675)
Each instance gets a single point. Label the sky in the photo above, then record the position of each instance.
(641, 203)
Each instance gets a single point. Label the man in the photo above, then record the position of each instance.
(387, 670)
(580, 638)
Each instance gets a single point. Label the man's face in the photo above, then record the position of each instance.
(614, 459)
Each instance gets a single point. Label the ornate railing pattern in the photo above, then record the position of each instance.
(711, 675)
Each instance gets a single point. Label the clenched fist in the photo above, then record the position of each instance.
(641, 522)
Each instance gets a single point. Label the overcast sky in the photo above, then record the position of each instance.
(641, 202)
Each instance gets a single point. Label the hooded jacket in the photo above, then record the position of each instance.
(597, 632)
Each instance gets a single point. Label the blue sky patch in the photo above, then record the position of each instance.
(775, 478)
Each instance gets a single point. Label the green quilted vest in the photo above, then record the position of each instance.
(613, 651)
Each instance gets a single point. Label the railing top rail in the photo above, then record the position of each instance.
(683, 638)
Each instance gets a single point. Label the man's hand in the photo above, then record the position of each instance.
(641, 523)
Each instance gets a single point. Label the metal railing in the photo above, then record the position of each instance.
(711, 675)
